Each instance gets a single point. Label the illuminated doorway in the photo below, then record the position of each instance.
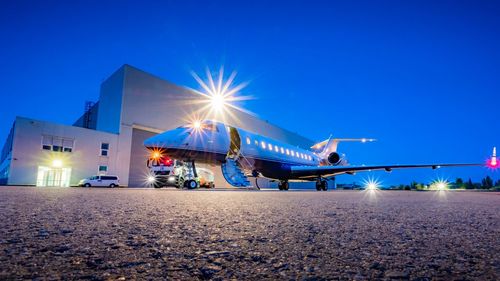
(48, 176)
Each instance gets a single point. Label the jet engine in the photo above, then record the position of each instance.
(335, 159)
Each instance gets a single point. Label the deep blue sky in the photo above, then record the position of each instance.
(420, 76)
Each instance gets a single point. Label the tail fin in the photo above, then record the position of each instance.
(324, 148)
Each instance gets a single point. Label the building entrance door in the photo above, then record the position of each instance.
(48, 176)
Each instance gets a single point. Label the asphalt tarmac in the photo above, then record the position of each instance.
(122, 234)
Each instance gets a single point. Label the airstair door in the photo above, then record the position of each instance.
(235, 143)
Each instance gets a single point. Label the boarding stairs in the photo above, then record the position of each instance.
(233, 173)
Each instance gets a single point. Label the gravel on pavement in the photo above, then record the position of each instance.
(127, 233)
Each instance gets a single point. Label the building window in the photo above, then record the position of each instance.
(57, 144)
(104, 149)
(57, 148)
(103, 169)
(67, 145)
(47, 142)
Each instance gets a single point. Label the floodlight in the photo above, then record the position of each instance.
(218, 101)
(57, 163)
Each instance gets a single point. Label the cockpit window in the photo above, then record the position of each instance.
(201, 126)
(209, 127)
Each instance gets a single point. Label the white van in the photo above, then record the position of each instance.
(110, 181)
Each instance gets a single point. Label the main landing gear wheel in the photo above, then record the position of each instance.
(283, 185)
(191, 184)
(321, 185)
(324, 186)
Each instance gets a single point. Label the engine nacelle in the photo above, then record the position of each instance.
(334, 158)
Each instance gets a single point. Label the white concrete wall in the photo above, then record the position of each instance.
(110, 103)
(84, 160)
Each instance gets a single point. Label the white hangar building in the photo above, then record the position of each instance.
(108, 138)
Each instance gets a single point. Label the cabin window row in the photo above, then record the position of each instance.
(275, 148)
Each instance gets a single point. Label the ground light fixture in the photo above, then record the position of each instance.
(371, 184)
(371, 188)
(440, 184)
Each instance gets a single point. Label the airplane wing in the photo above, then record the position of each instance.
(312, 172)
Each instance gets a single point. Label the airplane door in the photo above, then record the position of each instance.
(235, 143)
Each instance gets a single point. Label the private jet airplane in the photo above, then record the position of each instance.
(243, 153)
